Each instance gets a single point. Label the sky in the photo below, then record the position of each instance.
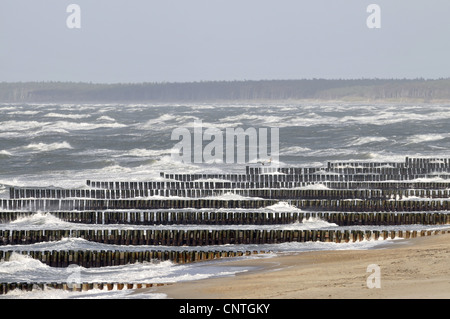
(121, 41)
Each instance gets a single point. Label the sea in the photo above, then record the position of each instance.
(64, 145)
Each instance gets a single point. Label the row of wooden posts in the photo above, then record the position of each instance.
(289, 184)
(103, 258)
(170, 217)
(6, 287)
(345, 169)
(110, 258)
(193, 237)
(106, 258)
(199, 192)
(315, 177)
(426, 164)
(323, 177)
(353, 205)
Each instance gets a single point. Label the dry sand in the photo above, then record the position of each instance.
(413, 268)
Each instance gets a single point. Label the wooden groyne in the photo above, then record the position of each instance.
(92, 258)
(266, 185)
(103, 258)
(346, 205)
(170, 217)
(266, 193)
(195, 237)
(6, 287)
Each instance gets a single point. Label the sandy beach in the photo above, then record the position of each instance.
(413, 268)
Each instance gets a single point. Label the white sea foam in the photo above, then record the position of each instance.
(283, 207)
(148, 153)
(370, 115)
(48, 130)
(368, 140)
(168, 121)
(149, 171)
(42, 147)
(332, 152)
(383, 157)
(214, 180)
(83, 126)
(420, 138)
(113, 171)
(23, 113)
(231, 196)
(315, 186)
(5, 153)
(246, 116)
(39, 220)
(18, 265)
(294, 150)
(7, 108)
(19, 126)
(68, 116)
(202, 107)
(66, 179)
(24, 268)
(51, 293)
(296, 247)
(26, 128)
(106, 118)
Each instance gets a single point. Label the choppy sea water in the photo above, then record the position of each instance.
(63, 145)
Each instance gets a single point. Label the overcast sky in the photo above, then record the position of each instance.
(200, 40)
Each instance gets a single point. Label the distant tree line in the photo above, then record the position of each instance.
(321, 89)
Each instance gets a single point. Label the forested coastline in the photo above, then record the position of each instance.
(315, 89)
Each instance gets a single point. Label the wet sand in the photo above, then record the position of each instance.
(413, 268)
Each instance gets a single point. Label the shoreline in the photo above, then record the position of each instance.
(412, 268)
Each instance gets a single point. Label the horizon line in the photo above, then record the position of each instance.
(225, 81)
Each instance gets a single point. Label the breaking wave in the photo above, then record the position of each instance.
(42, 147)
